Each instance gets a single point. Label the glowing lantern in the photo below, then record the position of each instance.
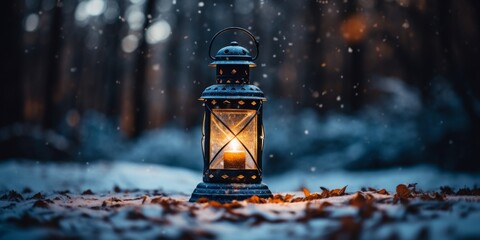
(233, 134)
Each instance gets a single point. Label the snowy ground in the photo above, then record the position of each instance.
(127, 200)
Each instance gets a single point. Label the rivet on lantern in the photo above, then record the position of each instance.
(233, 130)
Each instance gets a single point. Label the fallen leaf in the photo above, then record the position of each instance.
(469, 192)
(278, 198)
(306, 192)
(325, 192)
(313, 212)
(234, 204)
(12, 196)
(324, 189)
(288, 198)
(367, 210)
(202, 200)
(382, 191)
(136, 215)
(325, 204)
(357, 200)
(403, 191)
(298, 199)
(37, 196)
(40, 204)
(338, 192)
(256, 199)
(170, 206)
(313, 196)
(447, 190)
(215, 204)
(88, 192)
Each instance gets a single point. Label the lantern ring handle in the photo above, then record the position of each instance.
(233, 28)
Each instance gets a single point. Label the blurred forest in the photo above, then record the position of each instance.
(352, 83)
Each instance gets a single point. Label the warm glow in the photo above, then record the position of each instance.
(230, 144)
(235, 144)
(354, 28)
(234, 158)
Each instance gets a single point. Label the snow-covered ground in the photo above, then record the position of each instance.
(102, 176)
(128, 200)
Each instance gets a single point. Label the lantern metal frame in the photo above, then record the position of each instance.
(233, 92)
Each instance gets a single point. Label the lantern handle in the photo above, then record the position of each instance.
(233, 28)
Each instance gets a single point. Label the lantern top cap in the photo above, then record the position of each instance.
(233, 53)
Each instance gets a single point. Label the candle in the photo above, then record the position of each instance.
(234, 159)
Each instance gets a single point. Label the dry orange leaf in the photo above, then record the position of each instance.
(215, 204)
(338, 192)
(256, 199)
(306, 192)
(382, 191)
(202, 200)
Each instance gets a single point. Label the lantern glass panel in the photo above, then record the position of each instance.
(233, 134)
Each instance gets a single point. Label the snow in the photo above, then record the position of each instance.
(427, 177)
(139, 200)
(96, 176)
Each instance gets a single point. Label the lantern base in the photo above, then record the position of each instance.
(227, 192)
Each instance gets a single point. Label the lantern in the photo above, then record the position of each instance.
(233, 134)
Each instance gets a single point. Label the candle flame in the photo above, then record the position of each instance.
(235, 144)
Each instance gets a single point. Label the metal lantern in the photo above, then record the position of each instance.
(233, 134)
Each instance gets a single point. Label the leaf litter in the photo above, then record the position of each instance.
(344, 215)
